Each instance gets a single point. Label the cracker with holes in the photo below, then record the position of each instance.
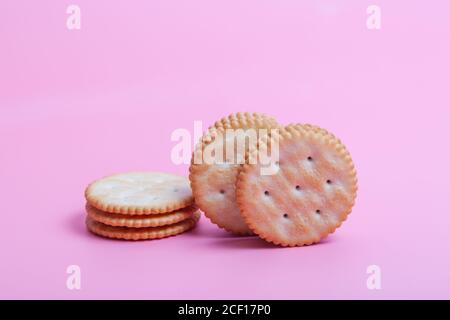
(309, 196)
(137, 193)
(213, 181)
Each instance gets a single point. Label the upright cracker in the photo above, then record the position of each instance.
(309, 197)
(138, 193)
(140, 221)
(146, 233)
(214, 184)
(243, 120)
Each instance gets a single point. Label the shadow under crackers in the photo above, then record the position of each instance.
(226, 240)
(254, 242)
(249, 242)
(206, 229)
(76, 223)
(219, 237)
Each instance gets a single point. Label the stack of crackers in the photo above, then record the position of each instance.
(140, 205)
(310, 192)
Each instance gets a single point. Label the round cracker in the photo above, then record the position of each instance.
(309, 197)
(147, 233)
(137, 193)
(214, 185)
(140, 221)
(243, 120)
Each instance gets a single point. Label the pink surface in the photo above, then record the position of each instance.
(77, 105)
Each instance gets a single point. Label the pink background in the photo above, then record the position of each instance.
(77, 105)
